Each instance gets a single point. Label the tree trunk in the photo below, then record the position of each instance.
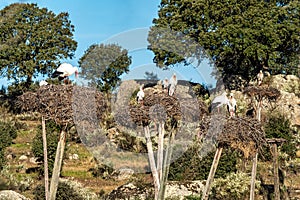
(28, 82)
(212, 173)
(152, 162)
(46, 174)
(57, 165)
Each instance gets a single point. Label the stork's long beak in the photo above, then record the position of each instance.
(76, 74)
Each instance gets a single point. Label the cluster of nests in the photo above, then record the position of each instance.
(62, 102)
(243, 133)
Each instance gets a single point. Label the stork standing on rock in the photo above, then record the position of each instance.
(64, 71)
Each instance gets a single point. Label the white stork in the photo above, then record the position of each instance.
(219, 101)
(43, 83)
(65, 70)
(140, 95)
(165, 85)
(231, 105)
(173, 84)
(260, 77)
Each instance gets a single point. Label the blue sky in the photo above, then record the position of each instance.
(124, 22)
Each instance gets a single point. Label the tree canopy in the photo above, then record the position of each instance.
(33, 40)
(103, 64)
(240, 37)
(151, 76)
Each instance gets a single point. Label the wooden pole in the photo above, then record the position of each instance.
(212, 173)
(46, 174)
(254, 164)
(253, 177)
(57, 165)
(160, 150)
(166, 165)
(276, 177)
(152, 162)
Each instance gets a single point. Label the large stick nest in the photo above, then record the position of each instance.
(263, 92)
(62, 102)
(159, 106)
(242, 133)
(155, 106)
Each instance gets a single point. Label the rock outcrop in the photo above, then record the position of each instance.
(11, 195)
(289, 102)
(174, 189)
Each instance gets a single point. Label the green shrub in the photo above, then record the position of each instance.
(3, 185)
(52, 133)
(64, 192)
(234, 186)
(102, 170)
(190, 167)
(278, 126)
(8, 132)
(193, 197)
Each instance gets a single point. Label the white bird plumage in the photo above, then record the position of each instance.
(260, 77)
(43, 83)
(140, 95)
(65, 70)
(173, 84)
(220, 100)
(231, 105)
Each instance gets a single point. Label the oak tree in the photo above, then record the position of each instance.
(32, 41)
(240, 37)
(103, 64)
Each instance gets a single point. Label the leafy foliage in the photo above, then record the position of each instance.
(233, 186)
(278, 126)
(52, 135)
(102, 170)
(102, 65)
(33, 40)
(151, 76)
(64, 192)
(8, 132)
(190, 167)
(239, 37)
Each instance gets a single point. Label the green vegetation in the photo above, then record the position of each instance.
(64, 192)
(52, 131)
(103, 65)
(8, 132)
(233, 186)
(278, 126)
(190, 167)
(239, 37)
(33, 40)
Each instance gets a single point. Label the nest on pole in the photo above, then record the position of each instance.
(61, 102)
(261, 92)
(242, 133)
(162, 106)
(159, 106)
